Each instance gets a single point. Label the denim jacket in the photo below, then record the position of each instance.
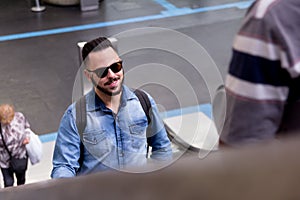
(110, 141)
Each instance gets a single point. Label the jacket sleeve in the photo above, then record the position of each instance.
(161, 145)
(67, 148)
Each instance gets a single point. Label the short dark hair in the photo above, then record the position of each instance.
(97, 44)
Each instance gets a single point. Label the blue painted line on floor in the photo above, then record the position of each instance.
(240, 5)
(49, 137)
(167, 5)
(78, 28)
(205, 108)
(172, 12)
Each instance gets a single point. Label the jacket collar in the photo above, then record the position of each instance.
(95, 103)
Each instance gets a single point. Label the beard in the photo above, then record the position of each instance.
(106, 91)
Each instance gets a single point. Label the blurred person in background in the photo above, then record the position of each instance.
(13, 139)
(262, 85)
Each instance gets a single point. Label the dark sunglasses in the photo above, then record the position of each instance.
(102, 72)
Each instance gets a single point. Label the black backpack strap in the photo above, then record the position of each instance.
(5, 146)
(145, 102)
(146, 105)
(81, 116)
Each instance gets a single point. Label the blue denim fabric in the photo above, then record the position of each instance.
(110, 141)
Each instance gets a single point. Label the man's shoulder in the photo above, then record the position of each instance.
(70, 109)
(133, 91)
(85, 98)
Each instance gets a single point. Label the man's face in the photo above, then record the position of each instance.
(109, 83)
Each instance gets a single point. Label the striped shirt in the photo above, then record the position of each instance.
(14, 135)
(263, 82)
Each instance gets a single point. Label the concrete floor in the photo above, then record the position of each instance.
(40, 58)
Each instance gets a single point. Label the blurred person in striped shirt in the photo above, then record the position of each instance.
(263, 83)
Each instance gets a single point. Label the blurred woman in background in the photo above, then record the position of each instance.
(13, 139)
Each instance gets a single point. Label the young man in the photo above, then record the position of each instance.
(115, 133)
(263, 81)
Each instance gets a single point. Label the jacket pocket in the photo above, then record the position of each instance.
(138, 134)
(97, 144)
